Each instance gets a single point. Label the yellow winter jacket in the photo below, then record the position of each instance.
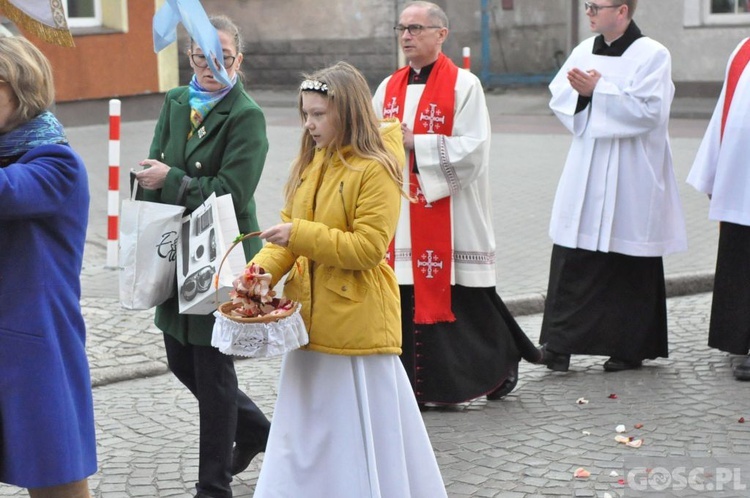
(335, 257)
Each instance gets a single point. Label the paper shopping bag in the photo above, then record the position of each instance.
(149, 233)
(205, 236)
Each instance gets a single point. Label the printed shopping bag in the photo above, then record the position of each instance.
(205, 236)
(149, 232)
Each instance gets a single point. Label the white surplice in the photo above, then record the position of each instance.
(347, 427)
(455, 166)
(617, 192)
(721, 167)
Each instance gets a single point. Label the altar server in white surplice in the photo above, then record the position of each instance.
(617, 210)
(721, 171)
(459, 340)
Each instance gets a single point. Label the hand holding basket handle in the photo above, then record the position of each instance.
(277, 327)
(253, 300)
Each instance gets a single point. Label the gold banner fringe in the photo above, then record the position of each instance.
(49, 34)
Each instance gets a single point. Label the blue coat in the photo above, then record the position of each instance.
(47, 434)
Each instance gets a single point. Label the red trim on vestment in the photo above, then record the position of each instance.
(736, 67)
(431, 230)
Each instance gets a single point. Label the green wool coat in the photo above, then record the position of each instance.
(225, 156)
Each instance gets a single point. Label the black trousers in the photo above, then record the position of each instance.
(227, 415)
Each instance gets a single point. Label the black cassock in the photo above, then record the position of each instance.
(730, 310)
(454, 362)
(606, 304)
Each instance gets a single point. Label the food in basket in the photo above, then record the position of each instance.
(252, 295)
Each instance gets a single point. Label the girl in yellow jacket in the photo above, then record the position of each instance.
(346, 423)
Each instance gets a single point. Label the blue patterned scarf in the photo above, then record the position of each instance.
(44, 129)
(202, 101)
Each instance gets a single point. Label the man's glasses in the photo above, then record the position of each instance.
(594, 8)
(200, 60)
(413, 29)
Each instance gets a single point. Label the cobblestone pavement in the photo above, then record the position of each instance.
(527, 445)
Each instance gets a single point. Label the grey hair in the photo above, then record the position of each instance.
(434, 11)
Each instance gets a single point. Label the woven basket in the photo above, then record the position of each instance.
(226, 310)
(260, 336)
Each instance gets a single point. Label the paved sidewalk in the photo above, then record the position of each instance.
(527, 445)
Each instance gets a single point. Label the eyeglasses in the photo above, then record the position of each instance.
(413, 29)
(594, 8)
(200, 60)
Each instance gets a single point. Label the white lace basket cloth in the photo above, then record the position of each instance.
(259, 340)
(257, 337)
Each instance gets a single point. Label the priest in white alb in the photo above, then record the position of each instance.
(721, 170)
(460, 341)
(616, 211)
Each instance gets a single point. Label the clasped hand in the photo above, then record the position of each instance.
(584, 82)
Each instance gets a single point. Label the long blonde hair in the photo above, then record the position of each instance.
(351, 107)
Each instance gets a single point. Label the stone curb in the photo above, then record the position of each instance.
(681, 284)
(528, 304)
(106, 376)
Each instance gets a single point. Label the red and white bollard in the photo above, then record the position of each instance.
(113, 195)
(467, 58)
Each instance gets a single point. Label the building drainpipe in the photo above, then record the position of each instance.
(484, 73)
(400, 57)
(574, 25)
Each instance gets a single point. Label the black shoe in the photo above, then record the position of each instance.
(742, 371)
(243, 455)
(617, 365)
(558, 362)
(506, 387)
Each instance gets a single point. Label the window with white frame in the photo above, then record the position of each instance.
(728, 7)
(83, 13)
(716, 13)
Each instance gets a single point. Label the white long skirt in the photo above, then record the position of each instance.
(347, 427)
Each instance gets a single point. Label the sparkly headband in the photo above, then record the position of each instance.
(314, 85)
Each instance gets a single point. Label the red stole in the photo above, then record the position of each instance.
(431, 230)
(736, 67)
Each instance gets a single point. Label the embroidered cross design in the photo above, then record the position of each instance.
(435, 116)
(429, 264)
(422, 199)
(391, 109)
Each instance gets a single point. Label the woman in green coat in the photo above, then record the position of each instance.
(210, 138)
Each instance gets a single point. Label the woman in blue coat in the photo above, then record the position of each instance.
(47, 436)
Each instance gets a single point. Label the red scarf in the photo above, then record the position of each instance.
(431, 230)
(736, 67)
